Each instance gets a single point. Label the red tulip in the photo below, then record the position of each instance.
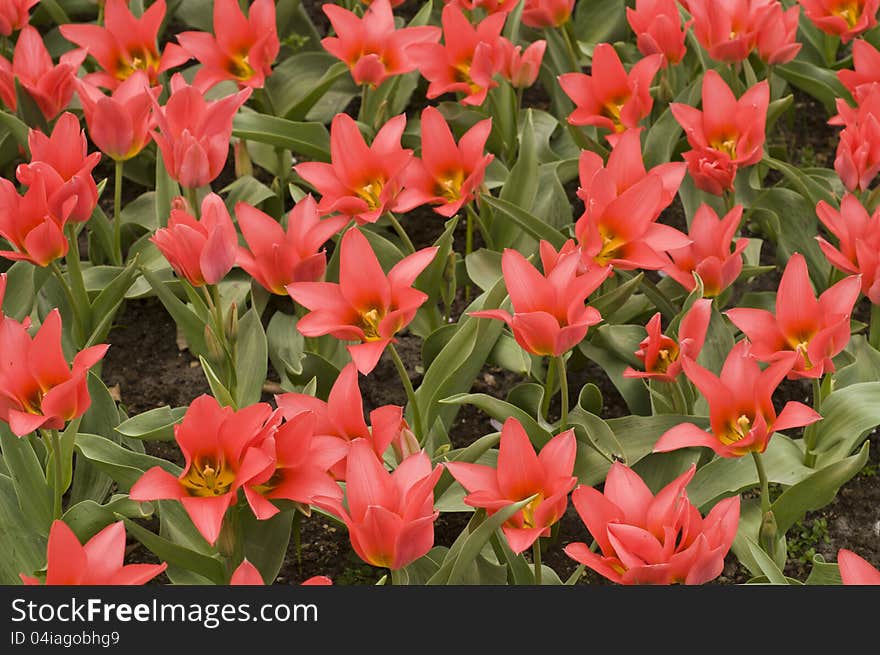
(741, 413)
(866, 62)
(602, 183)
(858, 249)
(390, 516)
(242, 48)
(546, 13)
(468, 59)
(520, 67)
(624, 233)
(246, 574)
(14, 15)
(858, 149)
(549, 314)
(372, 47)
(34, 232)
(50, 85)
(658, 29)
(361, 181)
(449, 174)
(610, 97)
(816, 329)
(119, 124)
(663, 356)
(63, 163)
(201, 250)
(709, 254)
(275, 257)
(38, 389)
(297, 467)
(647, 539)
(99, 562)
(489, 6)
(522, 473)
(125, 44)
(218, 446)
(367, 305)
(845, 18)
(855, 570)
(194, 133)
(729, 30)
(726, 135)
(340, 420)
(777, 36)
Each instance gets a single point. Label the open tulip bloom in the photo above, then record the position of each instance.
(858, 242)
(856, 570)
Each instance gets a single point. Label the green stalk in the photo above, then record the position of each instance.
(574, 60)
(117, 214)
(549, 383)
(410, 393)
(79, 326)
(563, 387)
(810, 430)
(407, 242)
(57, 482)
(767, 532)
(484, 231)
(192, 198)
(660, 300)
(536, 556)
(874, 330)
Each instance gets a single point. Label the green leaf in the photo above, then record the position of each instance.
(469, 454)
(87, 517)
(22, 545)
(286, 344)
(266, 541)
(252, 353)
(500, 411)
(526, 221)
(218, 389)
(178, 555)
(484, 268)
(308, 139)
(821, 83)
(664, 134)
(521, 185)
(300, 81)
(823, 573)
(125, 466)
(166, 190)
(27, 478)
(102, 417)
(108, 301)
(767, 565)
(153, 425)
(17, 128)
(189, 322)
(421, 570)
(608, 303)
(20, 291)
(848, 415)
(596, 432)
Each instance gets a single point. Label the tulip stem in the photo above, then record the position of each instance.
(53, 440)
(407, 242)
(536, 557)
(874, 330)
(474, 216)
(563, 388)
(549, 383)
(810, 430)
(763, 481)
(79, 332)
(410, 393)
(117, 214)
(574, 60)
(192, 199)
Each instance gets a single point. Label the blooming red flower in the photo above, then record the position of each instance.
(390, 516)
(549, 314)
(858, 149)
(372, 47)
(220, 447)
(601, 183)
(468, 59)
(520, 474)
(741, 413)
(845, 18)
(520, 67)
(296, 469)
(35, 233)
(361, 181)
(194, 133)
(367, 305)
(50, 85)
(658, 29)
(662, 356)
(858, 249)
(546, 13)
(647, 539)
(855, 570)
(14, 15)
(247, 574)
(610, 97)
(242, 48)
(340, 420)
(119, 124)
(275, 257)
(729, 30)
(709, 253)
(816, 329)
(64, 166)
(489, 6)
(726, 135)
(201, 250)
(777, 36)
(448, 175)
(125, 44)
(38, 390)
(99, 562)
(866, 74)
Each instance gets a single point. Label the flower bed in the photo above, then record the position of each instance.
(475, 293)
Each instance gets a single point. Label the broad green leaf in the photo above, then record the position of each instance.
(251, 359)
(20, 291)
(823, 573)
(153, 425)
(178, 555)
(420, 571)
(286, 344)
(848, 415)
(308, 139)
(123, 465)
(484, 268)
(266, 542)
(501, 411)
(218, 389)
(102, 417)
(533, 225)
(28, 480)
(767, 565)
(22, 545)
(189, 322)
(819, 82)
(87, 517)
(521, 185)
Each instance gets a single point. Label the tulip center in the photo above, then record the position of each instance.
(528, 512)
(208, 477)
(726, 144)
(462, 73)
(801, 346)
(137, 60)
(610, 245)
(370, 321)
(449, 186)
(33, 402)
(612, 110)
(850, 12)
(370, 193)
(665, 357)
(737, 430)
(240, 67)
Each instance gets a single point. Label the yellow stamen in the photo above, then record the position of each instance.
(529, 510)
(449, 187)
(726, 145)
(463, 74)
(207, 477)
(370, 324)
(371, 192)
(737, 431)
(613, 110)
(851, 12)
(610, 245)
(241, 68)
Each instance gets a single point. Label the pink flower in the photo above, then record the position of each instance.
(858, 249)
(14, 15)
(546, 13)
(866, 62)
(855, 570)
(858, 149)
(246, 574)
(520, 67)
(845, 18)
(658, 29)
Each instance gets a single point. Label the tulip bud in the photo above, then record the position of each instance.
(181, 204)
(768, 533)
(232, 323)
(215, 348)
(405, 443)
(243, 165)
